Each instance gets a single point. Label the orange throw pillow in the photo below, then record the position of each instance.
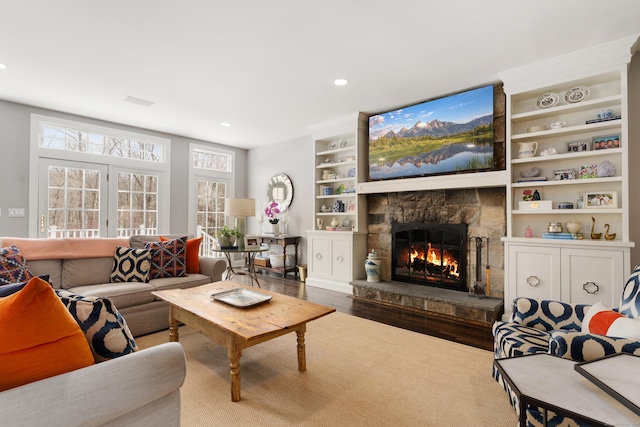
(192, 255)
(39, 338)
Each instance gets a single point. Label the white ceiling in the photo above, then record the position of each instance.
(267, 66)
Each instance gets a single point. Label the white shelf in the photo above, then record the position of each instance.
(565, 156)
(334, 214)
(609, 101)
(569, 130)
(336, 164)
(330, 181)
(566, 182)
(336, 151)
(337, 196)
(586, 211)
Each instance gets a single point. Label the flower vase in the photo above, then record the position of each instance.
(275, 228)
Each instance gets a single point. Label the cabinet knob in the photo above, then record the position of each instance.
(339, 258)
(591, 288)
(533, 281)
(319, 256)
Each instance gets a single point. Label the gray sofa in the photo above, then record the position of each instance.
(90, 276)
(137, 390)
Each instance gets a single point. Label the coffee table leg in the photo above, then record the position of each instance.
(302, 354)
(173, 326)
(234, 352)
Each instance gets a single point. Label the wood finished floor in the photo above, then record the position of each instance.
(452, 330)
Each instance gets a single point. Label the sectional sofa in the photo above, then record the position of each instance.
(84, 266)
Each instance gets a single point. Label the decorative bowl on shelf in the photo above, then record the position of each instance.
(533, 172)
(558, 125)
(573, 226)
(537, 128)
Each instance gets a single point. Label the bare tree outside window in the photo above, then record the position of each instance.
(137, 204)
(74, 201)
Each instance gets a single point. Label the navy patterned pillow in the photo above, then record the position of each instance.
(169, 259)
(6, 290)
(131, 265)
(104, 327)
(13, 266)
(630, 301)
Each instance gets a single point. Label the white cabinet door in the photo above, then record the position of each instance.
(534, 272)
(340, 258)
(319, 256)
(592, 275)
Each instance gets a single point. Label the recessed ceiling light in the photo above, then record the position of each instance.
(340, 82)
(225, 124)
(138, 101)
(3, 66)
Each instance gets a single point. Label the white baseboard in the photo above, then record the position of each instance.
(332, 285)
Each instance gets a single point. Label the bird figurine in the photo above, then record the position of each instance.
(608, 236)
(594, 236)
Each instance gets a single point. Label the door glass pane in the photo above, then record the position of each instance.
(73, 202)
(137, 204)
(210, 205)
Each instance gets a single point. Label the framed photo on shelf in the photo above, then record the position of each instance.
(588, 171)
(601, 199)
(562, 174)
(351, 206)
(251, 242)
(606, 142)
(577, 146)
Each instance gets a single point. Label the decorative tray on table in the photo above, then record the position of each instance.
(241, 297)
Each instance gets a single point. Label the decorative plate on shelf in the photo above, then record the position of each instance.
(547, 100)
(343, 143)
(576, 94)
(333, 145)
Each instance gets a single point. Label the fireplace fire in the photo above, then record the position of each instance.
(430, 254)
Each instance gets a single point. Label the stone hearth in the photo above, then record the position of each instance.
(436, 301)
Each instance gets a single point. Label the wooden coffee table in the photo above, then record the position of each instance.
(238, 328)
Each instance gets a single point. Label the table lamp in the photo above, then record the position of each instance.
(240, 209)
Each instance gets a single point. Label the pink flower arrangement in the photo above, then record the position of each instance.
(272, 211)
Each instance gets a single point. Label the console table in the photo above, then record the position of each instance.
(282, 240)
(552, 383)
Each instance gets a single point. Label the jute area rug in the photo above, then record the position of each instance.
(359, 373)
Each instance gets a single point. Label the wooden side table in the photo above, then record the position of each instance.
(283, 240)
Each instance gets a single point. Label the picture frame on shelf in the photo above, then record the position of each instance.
(564, 174)
(606, 142)
(577, 146)
(601, 199)
(251, 242)
(351, 206)
(588, 171)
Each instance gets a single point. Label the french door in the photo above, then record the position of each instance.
(79, 199)
(72, 199)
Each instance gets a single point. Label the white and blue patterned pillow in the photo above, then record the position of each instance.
(131, 265)
(104, 327)
(630, 300)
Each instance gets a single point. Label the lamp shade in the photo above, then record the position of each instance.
(239, 207)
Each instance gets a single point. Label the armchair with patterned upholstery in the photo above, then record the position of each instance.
(555, 327)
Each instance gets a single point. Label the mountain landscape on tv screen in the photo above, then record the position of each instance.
(436, 128)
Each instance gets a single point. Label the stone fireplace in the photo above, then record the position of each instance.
(481, 210)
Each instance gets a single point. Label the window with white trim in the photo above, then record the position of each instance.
(210, 181)
(134, 201)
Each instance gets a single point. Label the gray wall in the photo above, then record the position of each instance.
(15, 122)
(634, 157)
(294, 158)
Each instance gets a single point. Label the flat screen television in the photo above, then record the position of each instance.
(452, 134)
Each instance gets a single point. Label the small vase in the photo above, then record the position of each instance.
(275, 228)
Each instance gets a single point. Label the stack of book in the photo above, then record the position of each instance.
(606, 119)
(563, 236)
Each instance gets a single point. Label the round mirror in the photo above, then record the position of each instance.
(280, 190)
